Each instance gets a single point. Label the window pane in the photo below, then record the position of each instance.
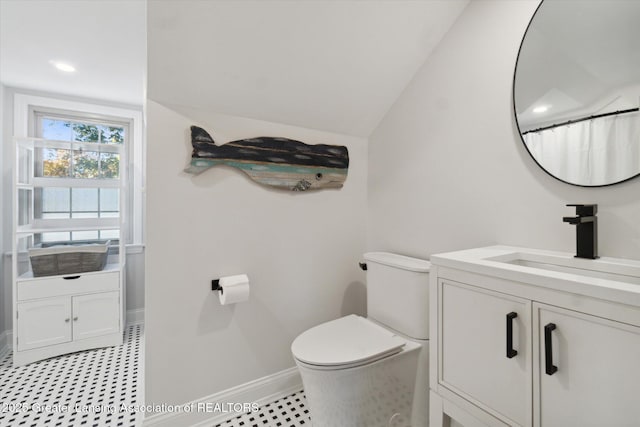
(56, 200)
(84, 200)
(112, 135)
(85, 164)
(109, 165)
(84, 235)
(109, 199)
(54, 237)
(55, 162)
(85, 132)
(109, 234)
(56, 129)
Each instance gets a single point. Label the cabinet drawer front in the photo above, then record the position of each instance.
(597, 381)
(477, 352)
(43, 323)
(56, 286)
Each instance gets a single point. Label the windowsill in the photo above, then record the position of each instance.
(134, 248)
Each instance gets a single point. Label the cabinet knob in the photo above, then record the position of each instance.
(75, 319)
(67, 320)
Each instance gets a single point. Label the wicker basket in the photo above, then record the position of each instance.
(69, 258)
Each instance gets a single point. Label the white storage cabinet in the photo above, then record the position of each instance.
(54, 315)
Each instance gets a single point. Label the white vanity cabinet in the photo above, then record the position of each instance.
(510, 349)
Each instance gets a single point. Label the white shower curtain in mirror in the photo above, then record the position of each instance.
(591, 152)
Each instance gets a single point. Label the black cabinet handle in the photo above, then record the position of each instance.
(510, 350)
(71, 277)
(549, 368)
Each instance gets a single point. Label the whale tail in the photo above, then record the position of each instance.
(200, 137)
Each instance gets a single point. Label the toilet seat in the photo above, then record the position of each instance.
(345, 343)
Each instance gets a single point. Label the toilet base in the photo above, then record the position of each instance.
(380, 394)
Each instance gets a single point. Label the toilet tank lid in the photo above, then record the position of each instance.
(398, 261)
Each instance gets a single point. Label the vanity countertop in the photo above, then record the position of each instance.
(612, 279)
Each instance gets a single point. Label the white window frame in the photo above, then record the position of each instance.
(24, 107)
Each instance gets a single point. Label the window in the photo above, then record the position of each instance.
(80, 169)
(89, 149)
(77, 162)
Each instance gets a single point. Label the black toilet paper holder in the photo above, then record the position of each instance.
(215, 286)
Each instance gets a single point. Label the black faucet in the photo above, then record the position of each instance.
(586, 223)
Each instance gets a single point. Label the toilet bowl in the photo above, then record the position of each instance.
(363, 372)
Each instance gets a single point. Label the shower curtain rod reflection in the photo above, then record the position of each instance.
(582, 119)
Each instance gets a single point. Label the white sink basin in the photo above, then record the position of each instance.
(603, 268)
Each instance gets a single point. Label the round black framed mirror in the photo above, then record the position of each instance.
(576, 90)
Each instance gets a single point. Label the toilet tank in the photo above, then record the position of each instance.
(398, 292)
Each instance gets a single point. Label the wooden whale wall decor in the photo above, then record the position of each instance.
(277, 162)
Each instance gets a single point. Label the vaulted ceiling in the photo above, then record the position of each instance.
(331, 65)
(336, 66)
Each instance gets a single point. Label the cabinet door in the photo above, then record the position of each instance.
(44, 322)
(95, 315)
(597, 381)
(473, 344)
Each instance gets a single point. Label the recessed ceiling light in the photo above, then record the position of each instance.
(541, 109)
(63, 66)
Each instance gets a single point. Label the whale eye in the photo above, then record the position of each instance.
(318, 176)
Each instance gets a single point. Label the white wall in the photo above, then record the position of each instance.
(135, 276)
(135, 261)
(447, 167)
(300, 251)
(3, 206)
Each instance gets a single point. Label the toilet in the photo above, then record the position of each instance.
(374, 371)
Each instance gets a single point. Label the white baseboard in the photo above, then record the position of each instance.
(135, 317)
(260, 391)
